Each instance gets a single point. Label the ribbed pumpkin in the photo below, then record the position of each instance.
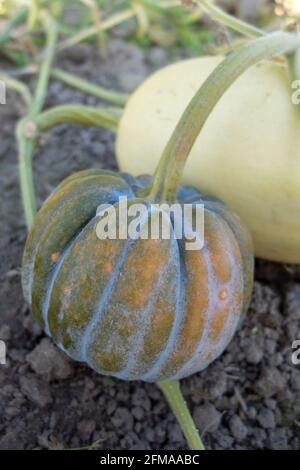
(135, 309)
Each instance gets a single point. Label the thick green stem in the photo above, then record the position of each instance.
(170, 168)
(90, 88)
(26, 142)
(172, 392)
(228, 20)
(78, 114)
(26, 147)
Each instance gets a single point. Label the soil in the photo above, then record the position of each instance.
(248, 399)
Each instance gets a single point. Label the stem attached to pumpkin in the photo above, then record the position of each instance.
(172, 392)
(26, 141)
(170, 168)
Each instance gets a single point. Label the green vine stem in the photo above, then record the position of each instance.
(172, 392)
(26, 141)
(96, 15)
(33, 14)
(87, 33)
(170, 168)
(18, 86)
(107, 118)
(90, 88)
(227, 20)
(111, 96)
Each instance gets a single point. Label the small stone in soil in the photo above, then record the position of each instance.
(47, 361)
(207, 418)
(266, 418)
(270, 382)
(253, 353)
(238, 428)
(36, 390)
(85, 428)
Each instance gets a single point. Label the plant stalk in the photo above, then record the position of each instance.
(90, 88)
(26, 142)
(77, 83)
(228, 20)
(87, 33)
(170, 168)
(78, 114)
(44, 73)
(172, 392)
(33, 14)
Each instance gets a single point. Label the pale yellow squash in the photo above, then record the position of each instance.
(248, 153)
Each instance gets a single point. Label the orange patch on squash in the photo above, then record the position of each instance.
(107, 267)
(55, 257)
(196, 307)
(215, 239)
(108, 361)
(157, 335)
(141, 271)
(218, 323)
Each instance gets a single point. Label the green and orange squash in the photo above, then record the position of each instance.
(135, 309)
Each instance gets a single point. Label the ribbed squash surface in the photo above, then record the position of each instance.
(135, 309)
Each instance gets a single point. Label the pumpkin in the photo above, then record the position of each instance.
(247, 153)
(135, 309)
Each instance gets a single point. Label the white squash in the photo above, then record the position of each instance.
(248, 153)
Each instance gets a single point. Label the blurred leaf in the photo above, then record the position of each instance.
(194, 40)
(14, 21)
(142, 19)
(19, 57)
(162, 36)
